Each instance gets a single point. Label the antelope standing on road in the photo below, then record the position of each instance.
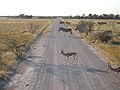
(113, 69)
(71, 54)
(65, 29)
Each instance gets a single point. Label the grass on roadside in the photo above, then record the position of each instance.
(15, 36)
(110, 51)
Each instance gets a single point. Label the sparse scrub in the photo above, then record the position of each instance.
(107, 42)
(16, 43)
(15, 36)
(85, 26)
(103, 37)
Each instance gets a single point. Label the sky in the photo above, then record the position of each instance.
(58, 7)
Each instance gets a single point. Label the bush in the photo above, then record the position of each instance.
(85, 26)
(17, 43)
(103, 37)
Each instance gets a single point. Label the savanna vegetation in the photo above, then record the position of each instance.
(94, 16)
(103, 34)
(16, 35)
(84, 16)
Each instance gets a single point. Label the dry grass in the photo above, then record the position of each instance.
(111, 24)
(17, 29)
(3, 73)
(8, 58)
(48, 30)
(110, 52)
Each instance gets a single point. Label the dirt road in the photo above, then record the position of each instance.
(45, 69)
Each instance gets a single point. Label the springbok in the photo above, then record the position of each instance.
(61, 22)
(71, 54)
(113, 69)
(65, 29)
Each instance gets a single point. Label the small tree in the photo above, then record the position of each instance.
(85, 26)
(17, 43)
(103, 36)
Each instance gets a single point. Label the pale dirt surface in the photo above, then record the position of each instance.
(45, 69)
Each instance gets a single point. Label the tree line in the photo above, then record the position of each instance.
(23, 16)
(95, 16)
(89, 16)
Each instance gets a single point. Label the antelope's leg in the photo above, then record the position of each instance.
(67, 60)
(76, 60)
(117, 74)
(108, 67)
(73, 60)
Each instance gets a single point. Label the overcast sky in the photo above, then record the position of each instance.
(58, 7)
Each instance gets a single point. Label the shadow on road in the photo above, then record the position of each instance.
(59, 71)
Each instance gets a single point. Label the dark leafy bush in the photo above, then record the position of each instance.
(85, 26)
(104, 37)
